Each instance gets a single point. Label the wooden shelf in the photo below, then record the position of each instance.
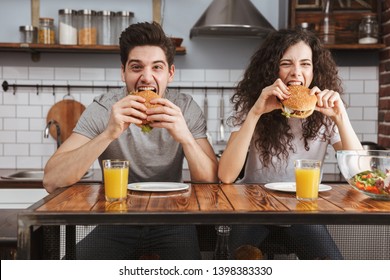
(36, 49)
(41, 48)
(355, 46)
(347, 20)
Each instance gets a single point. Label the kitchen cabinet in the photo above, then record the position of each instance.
(347, 16)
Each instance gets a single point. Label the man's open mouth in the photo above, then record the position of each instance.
(147, 88)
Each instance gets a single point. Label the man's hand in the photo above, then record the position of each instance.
(126, 111)
(170, 117)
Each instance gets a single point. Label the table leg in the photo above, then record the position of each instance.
(70, 242)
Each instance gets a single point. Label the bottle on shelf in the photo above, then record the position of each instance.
(327, 25)
(368, 30)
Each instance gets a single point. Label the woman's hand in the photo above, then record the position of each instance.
(270, 98)
(329, 102)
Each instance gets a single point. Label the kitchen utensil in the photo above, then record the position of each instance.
(221, 131)
(206, 115)
(367, 145)
(66, 112)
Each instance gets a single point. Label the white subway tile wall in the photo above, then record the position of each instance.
(44, 73)
(23, 112)
(66, 73)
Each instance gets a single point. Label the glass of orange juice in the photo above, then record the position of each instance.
(116, 174)
(307, 178)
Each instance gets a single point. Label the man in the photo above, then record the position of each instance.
(107, 129)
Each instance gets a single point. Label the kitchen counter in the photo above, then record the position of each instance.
(25, 183)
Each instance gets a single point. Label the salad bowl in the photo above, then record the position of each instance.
(367, 171)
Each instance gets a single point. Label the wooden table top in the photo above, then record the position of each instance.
(208, 204)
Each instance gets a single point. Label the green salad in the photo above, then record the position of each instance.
(375, 181)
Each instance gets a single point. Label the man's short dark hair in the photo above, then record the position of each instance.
(145, 34)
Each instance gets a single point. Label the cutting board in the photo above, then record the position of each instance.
(66, 112)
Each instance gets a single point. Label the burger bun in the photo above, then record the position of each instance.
(300, 104)
(148, 95)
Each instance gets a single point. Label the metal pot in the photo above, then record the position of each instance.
(372, 146)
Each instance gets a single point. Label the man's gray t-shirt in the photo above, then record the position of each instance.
(153, 156)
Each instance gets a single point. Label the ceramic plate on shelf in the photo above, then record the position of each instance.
(290, 187)
(157, 187)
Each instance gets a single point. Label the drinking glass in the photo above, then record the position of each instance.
(307, 178)
(116, 173)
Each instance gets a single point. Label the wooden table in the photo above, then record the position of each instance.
(84, 204)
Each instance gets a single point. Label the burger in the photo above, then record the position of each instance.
(148, 95)
(300, 104)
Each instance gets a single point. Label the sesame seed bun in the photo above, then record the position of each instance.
(300, 104)
(148, 95)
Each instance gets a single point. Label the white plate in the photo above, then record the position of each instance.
(157, 187)
(290, 187)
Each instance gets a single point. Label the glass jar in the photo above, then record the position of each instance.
(46, 33)
(67, 27)
(122, 20)
(306, 26)
(105, 27)
(28, 34)
(86, 27)
(368, 30)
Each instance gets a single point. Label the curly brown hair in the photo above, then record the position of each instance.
(272, 135)
(145, 34)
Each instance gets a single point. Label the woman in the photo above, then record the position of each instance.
(287, 57)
